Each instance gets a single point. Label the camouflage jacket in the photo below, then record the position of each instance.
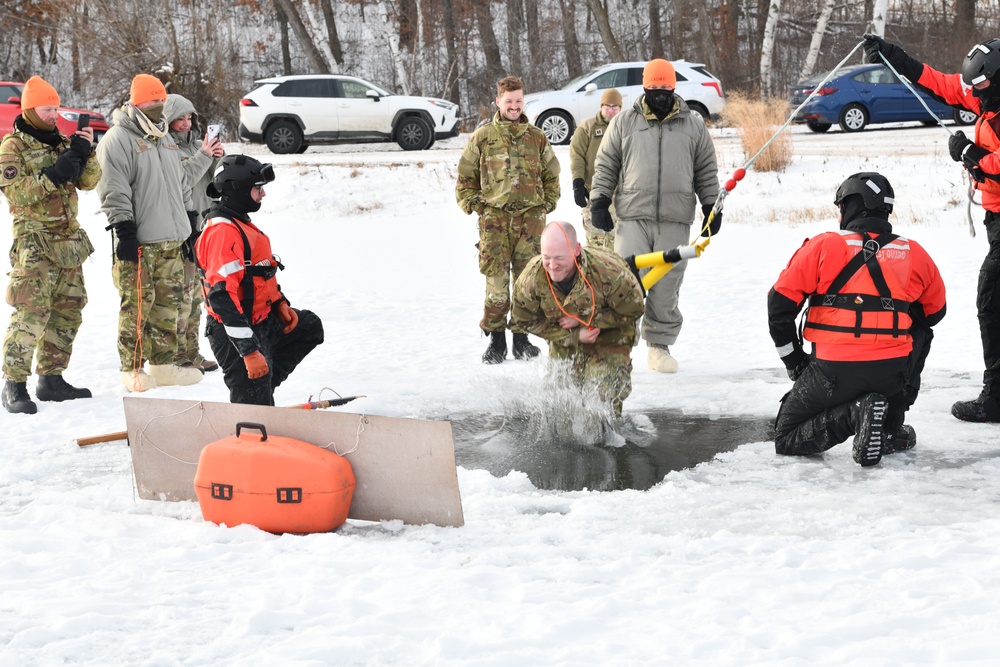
(508, 166)
(617, 296)
(44, 214)
(583, 147)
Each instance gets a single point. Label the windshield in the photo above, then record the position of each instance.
(578, 81)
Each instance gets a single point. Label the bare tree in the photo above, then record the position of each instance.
(484, 20)
(600, 13)
(316, 61)
(767, 47)
(574, 64)
(656, 49)
(817, 39)
(878, 17)
(331, 30)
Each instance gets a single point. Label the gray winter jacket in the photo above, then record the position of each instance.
(198, 167)
(143, 180)
(655, 168)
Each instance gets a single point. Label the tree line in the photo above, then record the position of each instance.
(212, 51)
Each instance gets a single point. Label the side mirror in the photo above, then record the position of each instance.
(373, 94)
(590, 87)
(14, 100)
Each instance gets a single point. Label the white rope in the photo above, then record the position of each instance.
(362, 422)
(143, 440)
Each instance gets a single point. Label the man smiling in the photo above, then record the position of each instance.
(509, 176)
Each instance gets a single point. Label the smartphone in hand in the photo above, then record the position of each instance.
(83, 121)
(213, 132)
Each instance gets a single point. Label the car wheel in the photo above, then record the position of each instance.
(853, 118)
(701, 111)
(414, 134)
(283, 136)
(819, 127)
(556, 126)
(303, 148)
(964, 117)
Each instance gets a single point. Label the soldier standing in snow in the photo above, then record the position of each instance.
(654, 160)
(40, 172)
(255, 334)
(199, 159)
(509, 175)
(586, 303)
(145, 197)
(873, 298)
(582, 152)
(977, 89)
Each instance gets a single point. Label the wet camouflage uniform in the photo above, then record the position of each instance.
(582, 153)
(607, 363)
(46, 286)
(509, 175)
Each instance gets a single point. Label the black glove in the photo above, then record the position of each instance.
(716, 225)
(796, 363)
(80, 146)
(580, 193)
(600, 216)
(956, 144)
(897, 57)
(127, 249)
(67, 168)
(187, 249)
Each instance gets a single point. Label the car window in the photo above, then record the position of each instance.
(353, 89)
(304, 88)
(875, 77)
(616, 78)
(7, 92)
(681, 77)
(635, 76)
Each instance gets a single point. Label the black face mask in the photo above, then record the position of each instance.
(240, 202)
(660, 102)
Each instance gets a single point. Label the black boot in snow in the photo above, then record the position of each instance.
(54, 388)
(867, 416)
(983, 409)
(523, 349)
(903, 439)
(16, 399)
(497, 351)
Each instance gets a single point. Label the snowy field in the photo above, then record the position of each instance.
(747, 559)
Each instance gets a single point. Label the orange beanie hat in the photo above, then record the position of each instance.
(38, 93)
(659, 72)
(146, 87)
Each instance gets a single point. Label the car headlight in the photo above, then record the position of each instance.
(444, 104)
(71, 116)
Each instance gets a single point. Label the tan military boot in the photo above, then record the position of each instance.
(660, 360)
(136, 381)
(168, 374)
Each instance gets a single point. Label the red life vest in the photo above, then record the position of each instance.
(986, 137)
(239, 254)
(866, 302)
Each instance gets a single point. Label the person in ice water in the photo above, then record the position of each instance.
(585, 302)
(873, 298)
(977, 89)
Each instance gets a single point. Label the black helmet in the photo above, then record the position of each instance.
(239, 173)
(874, 189)
(981, 63)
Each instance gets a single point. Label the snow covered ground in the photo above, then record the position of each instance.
(746, 559)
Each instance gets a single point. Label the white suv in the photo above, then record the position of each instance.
(288, 113)
(559, 112)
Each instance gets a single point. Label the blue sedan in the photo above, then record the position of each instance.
(862, 94)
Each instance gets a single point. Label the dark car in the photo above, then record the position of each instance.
(861, 95)
(10, 108)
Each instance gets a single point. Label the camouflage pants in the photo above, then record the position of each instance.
(597, 238)
(189, 317)
(157, 284)
(606, 369)
(48, 306)
(506, 243)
